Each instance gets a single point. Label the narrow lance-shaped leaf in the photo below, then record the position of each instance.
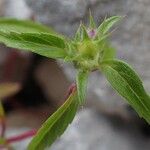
(123, 79)
(41, 43)
(107, 24)
(56, 124)
(19, 26)
(82, 79)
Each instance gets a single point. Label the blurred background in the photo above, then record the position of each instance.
(39, 84)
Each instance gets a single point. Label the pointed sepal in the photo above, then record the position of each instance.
(92, 24)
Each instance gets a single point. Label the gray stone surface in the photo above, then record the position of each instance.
(131, 39)
(1, 7)
(17, 9)
(61, 14)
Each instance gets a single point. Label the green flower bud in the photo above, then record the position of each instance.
(88, 49)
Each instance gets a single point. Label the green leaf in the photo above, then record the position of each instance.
(41, 43)
(56, 124)
(124, 80)
(109, 52)
(81, 80)
(19, 26)
(107, 24)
